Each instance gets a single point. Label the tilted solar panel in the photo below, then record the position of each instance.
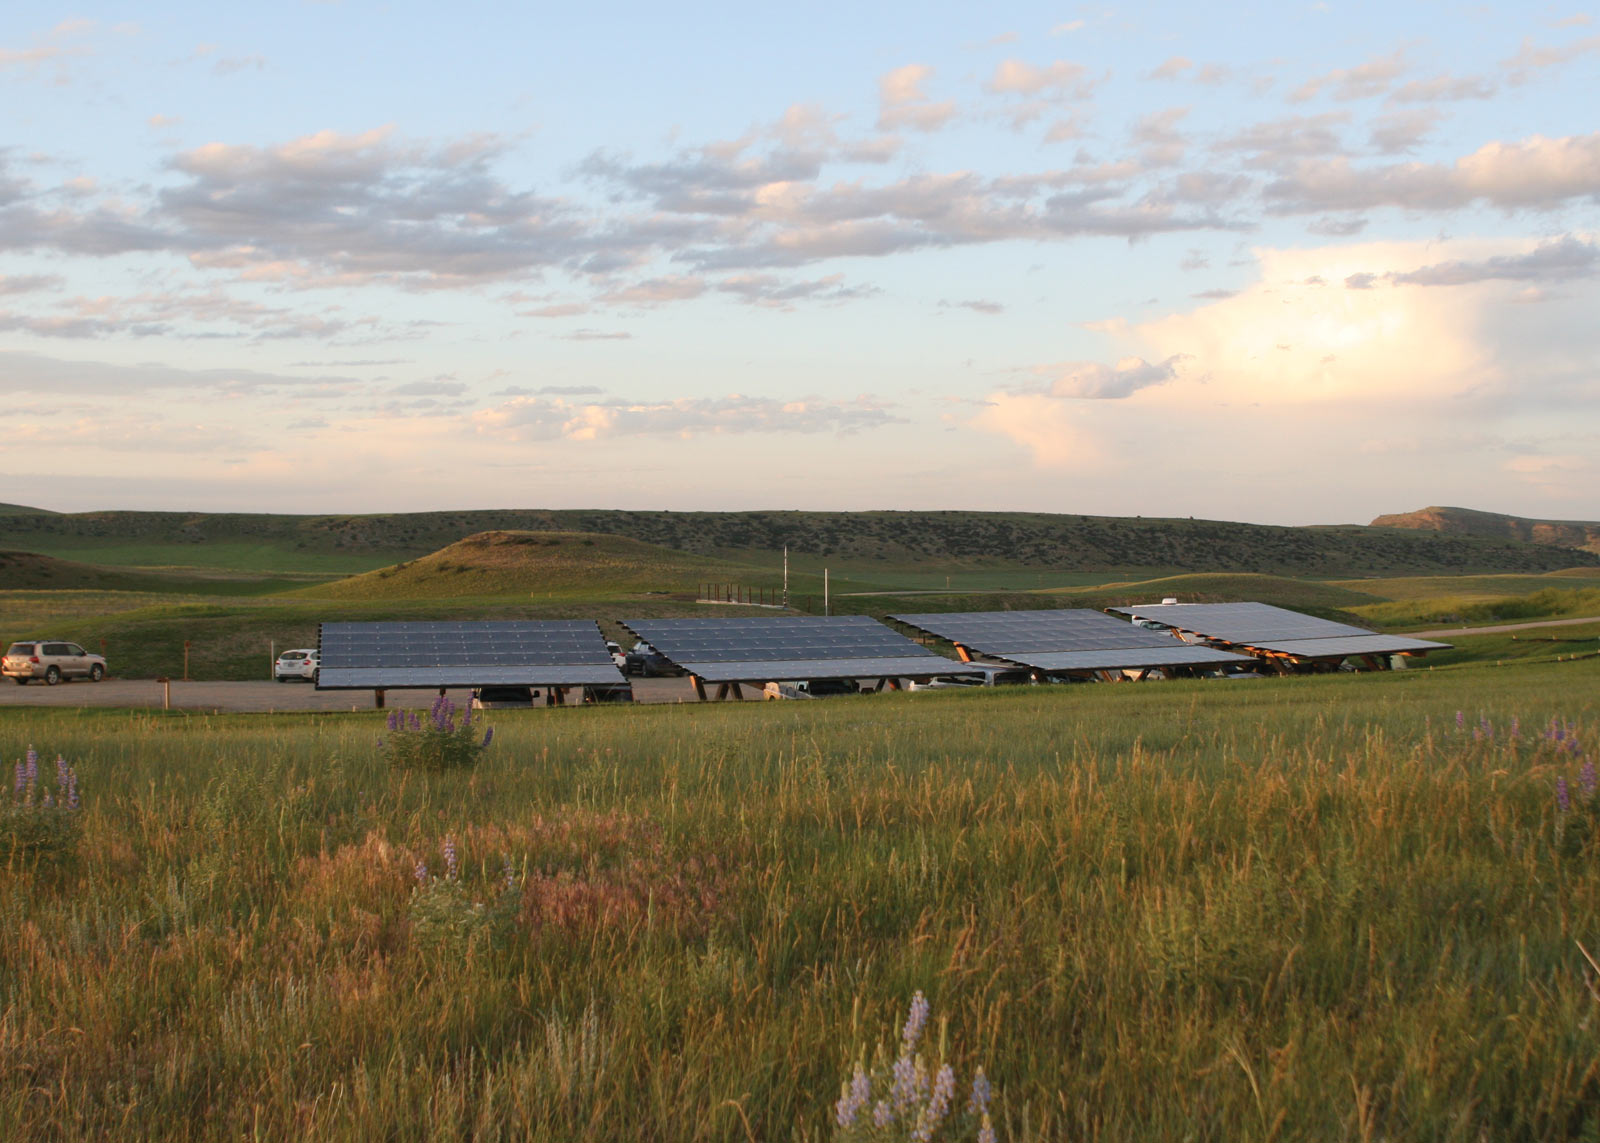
(767, 649)
(1061, 629)
(1241, 622)
(560, 652)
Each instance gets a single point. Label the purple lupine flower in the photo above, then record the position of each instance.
(881, 1115)
(853, 1098)
(1486, 727)
(903, 1083)
(915, 1022)
(61, 770)
(1574, 747)
(1586, 779)
(1515, 723)
(421, 871)
(986, 1130)
(452, 860)
(32, 770)
(1461, 720)
(944, 1086)
(510, 872)
(978, 1104)
(488, 736)
(16, 787)
(394, 720)
(72, 789)
(1563, 796)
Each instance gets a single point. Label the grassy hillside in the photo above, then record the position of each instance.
(541, 565)
(1581, 535)
(23, 571)
(1470, 586)
(1303, 595)
(1319, 909)
(921, 542)
(1435, 611)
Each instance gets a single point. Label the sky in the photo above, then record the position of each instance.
(1282, 262)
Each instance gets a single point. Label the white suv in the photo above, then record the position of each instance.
(52, 662)
(301, 663)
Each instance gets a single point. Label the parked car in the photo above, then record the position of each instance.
(646, 662)
(618, 656)
(51, 661)
(299, 663)
(608, 692)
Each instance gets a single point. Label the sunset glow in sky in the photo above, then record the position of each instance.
(1298, 263)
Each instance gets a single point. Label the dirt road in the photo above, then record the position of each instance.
(265, 697)
(1446, 633)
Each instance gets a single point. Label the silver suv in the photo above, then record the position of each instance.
(52, 662)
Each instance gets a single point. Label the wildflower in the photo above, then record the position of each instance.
(915, 1022)
(422, 872)
(981, 1090)
(1486, 727)
(986, 1130)
(1563, 796)
(20, 782)
(1586, 779)
(394, 720)
(488, 736)
(32, 770)
(1514, 725)
(1461, 720)
(452, 861)
(510, 872)
(881, 1115)
(61, 770)
(853, 1097)
(944, 1086)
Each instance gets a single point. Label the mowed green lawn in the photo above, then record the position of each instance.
(1309, 908)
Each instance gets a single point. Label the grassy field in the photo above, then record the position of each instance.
(1317, 908)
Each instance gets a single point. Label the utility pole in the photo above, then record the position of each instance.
(786, 577)
(825, 591)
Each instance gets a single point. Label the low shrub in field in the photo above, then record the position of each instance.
(439, 742)
(901, 1101)
(39, 822)
(445, 912)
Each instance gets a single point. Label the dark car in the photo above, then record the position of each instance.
(646, 662)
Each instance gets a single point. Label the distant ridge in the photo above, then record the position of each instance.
(977, 540)
(24, 510)
(1579, 535)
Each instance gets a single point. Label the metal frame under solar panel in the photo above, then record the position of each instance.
(780, 670)
(1008, 633)
(400, 678)
(552, 652)
(1242, 622)
(1351, 645)
(1127, 658)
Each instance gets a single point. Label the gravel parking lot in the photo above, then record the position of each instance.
(265, 696)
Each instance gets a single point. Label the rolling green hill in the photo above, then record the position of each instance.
(886, 541)
(538, 565)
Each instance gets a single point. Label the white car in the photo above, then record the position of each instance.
(300, 663)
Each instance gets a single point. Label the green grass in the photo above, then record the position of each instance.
(1295, 909)
(1474, 587)
(1550, 603)
(214, 555)
(1538, 644)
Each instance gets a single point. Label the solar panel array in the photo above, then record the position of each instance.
(558, 652)
(1268, 628)
(765, 649)
(1064, 639)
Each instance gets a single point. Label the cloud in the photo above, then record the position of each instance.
(597, 335)
(1045, 427)
(22, 373)
(29, 283)
(1531, 59)
(1536, 173)
(1404, 130)
(1158, 137)
(534, 418)
(1061, 78)
(60, 43)
(1096, 381)
(1443, 89)
(902, 103)
(1274, 143)
(1361, 82)
(1563, 260)
(1172, 68)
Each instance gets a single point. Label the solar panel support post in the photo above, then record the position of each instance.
(699, 686)
(377, 698)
